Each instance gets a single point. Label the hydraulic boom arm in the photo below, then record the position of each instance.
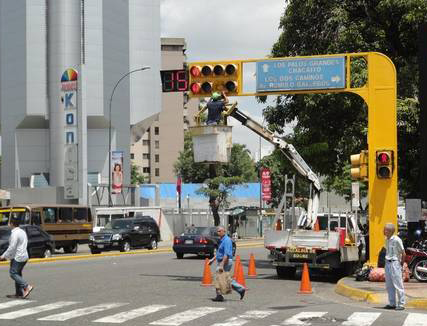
(291, 154)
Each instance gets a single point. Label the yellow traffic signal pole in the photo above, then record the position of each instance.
(379, 93)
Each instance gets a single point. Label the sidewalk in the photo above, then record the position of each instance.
(375, 292)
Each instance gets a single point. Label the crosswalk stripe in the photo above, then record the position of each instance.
(361, 319)
(246, 317)
(186, 316)
(297, 319)
(415, 319)
(82, 312)
(9, 304)
(132, 314)
(36, 310)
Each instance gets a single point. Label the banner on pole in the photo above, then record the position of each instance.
(117, 174)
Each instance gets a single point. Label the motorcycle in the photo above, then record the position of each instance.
(416, 258)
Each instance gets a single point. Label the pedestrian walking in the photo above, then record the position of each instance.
(215, 106)
(394, 260)
(224, 259)
(18, 255)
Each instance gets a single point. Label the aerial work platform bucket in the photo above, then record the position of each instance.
(211, 144)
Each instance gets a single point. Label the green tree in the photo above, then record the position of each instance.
(136, 177)
(331, 127)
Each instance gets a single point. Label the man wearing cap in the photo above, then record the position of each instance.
(18, 255)
(215, 106)
(394, 259)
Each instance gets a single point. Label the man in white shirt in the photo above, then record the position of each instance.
(394, 259)
(18, 255)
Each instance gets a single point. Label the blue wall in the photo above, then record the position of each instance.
(168, 190)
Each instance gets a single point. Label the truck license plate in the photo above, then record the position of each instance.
(298, 255)
(100, 246)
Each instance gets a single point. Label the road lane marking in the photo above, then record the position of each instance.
(186, 316)
(132, 314)
(36, 310)
(299, 319)
(415, 319)
(361, 319)
(82, 312)
(246, 318)
(13, 303)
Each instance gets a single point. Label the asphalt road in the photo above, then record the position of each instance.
(158, 289)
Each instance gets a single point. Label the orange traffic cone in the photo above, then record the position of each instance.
(316, 225)
(252, 269)
(207, 276)
(236, 267)
(305, 287)
(240, 276)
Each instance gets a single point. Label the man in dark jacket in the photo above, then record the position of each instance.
(215, 106)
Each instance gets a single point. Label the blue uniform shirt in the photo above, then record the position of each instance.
(225, 249)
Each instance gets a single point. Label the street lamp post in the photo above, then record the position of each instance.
(109, 130)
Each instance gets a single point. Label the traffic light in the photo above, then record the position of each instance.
(359, 166)
(385, 162)
(209, 77)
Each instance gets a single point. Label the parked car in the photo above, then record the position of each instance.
(40, 244)
(201, 241)
(126, 233)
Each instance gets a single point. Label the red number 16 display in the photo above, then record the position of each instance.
(174, 80)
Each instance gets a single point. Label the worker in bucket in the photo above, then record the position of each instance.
(215, 106)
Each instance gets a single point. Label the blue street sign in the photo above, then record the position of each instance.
(300, 74)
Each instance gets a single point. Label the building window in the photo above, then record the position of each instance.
(146, 142)
(146, 170)
(157, 172)
(157, 158)
(132, 156)
(146, 156)
(156, 130)
(156, 144)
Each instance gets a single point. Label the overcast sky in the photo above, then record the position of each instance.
(226, 29)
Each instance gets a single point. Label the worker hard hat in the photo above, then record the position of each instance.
(216, 96)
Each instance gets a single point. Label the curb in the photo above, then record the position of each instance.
(112, 254)
(356, 294)
(373, 297)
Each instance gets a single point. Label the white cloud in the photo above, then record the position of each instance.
(224, 29)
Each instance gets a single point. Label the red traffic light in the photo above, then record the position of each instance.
(195, 71)
(195, 88)
(383, 158)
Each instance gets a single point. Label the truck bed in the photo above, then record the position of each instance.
(302, 238)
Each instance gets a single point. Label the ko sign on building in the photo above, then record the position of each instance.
(300, 74)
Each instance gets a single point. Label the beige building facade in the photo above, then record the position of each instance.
(156, 152)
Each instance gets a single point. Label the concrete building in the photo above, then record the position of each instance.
(157, 151)
(97, 40)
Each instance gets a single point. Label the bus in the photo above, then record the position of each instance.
(69, 225)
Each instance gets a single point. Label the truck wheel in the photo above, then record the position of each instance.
(285, 272)
(179, 255)
(95, 251)
(348, 268)
(71, 249)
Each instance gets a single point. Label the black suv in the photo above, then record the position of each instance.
(126, 233)
(40, 244)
